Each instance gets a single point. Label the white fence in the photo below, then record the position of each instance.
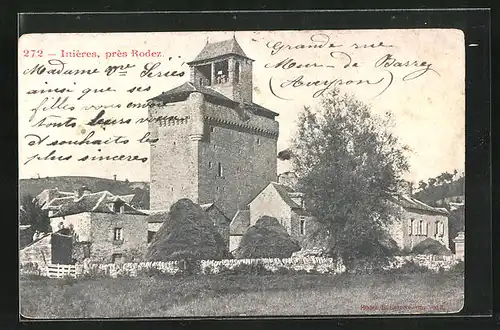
(307, 264)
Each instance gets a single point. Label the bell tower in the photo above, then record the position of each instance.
(224, 67)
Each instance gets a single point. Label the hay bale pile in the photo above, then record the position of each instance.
(266, 239)
(187, 233)
(430, 246)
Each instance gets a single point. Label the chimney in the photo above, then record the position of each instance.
(114, 177)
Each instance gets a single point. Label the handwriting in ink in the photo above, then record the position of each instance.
(58, 67)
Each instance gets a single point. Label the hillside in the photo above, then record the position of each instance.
(436, 193)
(69, 183)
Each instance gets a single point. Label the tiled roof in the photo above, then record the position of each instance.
(94, 202)
(408, 202)
(221, 48)
(260, 110)
(49, 194)
(284, 192)
(187, 88)
(182, 92)
(240, 222)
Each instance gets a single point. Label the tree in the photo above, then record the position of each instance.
(347, 160)
(422, 185)
(432, 182)
(32, 214)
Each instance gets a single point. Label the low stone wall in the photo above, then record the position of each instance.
(307, 264)
(432, 262)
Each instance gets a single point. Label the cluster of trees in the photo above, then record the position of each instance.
(443, 178)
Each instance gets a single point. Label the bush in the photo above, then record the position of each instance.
(458, 268)
(410, 267)
(246, 269)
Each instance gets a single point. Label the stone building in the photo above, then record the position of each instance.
(280, 200)
(210, 142)
(418, 221)
(104, 227)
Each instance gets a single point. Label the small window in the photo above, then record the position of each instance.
(151, 234)
(210, 165)
(411, 227)
(118, 234)
(302, 226)
(122, 209)
(86, 251)
(220, 170)
(212, 129)
(174, 143)
(172, 189)
(258, 141)
(421, 227)
(117, 258)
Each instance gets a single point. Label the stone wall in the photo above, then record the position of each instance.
(247, 157)
(307, 264)
(407, 236)
(36, 252)
(173, 158)
(80, 222)
(131, 247)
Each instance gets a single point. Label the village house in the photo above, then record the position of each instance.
(280, 200)
(103, 227)
(417, 221)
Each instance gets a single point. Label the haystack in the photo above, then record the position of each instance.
(266, 239)
(187, 233)
(430, 246)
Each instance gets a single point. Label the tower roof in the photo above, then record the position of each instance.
(182, 92)
(221, 48)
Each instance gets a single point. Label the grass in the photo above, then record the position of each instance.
(236, 295)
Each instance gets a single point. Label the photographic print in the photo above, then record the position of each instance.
(241, 173)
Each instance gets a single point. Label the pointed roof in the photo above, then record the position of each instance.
(217, 49)
(284, 192)
(182, 92)
(240, 222)
(95, 202)
(408, 202)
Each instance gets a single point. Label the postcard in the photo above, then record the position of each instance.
(241, 173)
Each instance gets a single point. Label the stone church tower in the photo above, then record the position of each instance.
(215, 145)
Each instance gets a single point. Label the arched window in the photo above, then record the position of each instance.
(237, 72)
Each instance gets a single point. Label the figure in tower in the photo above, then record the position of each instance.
(214, 144)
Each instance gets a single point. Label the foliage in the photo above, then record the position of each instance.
(458, 268)
(347, 159)
(32, 214)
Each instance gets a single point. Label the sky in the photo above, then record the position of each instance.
(429, 110)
